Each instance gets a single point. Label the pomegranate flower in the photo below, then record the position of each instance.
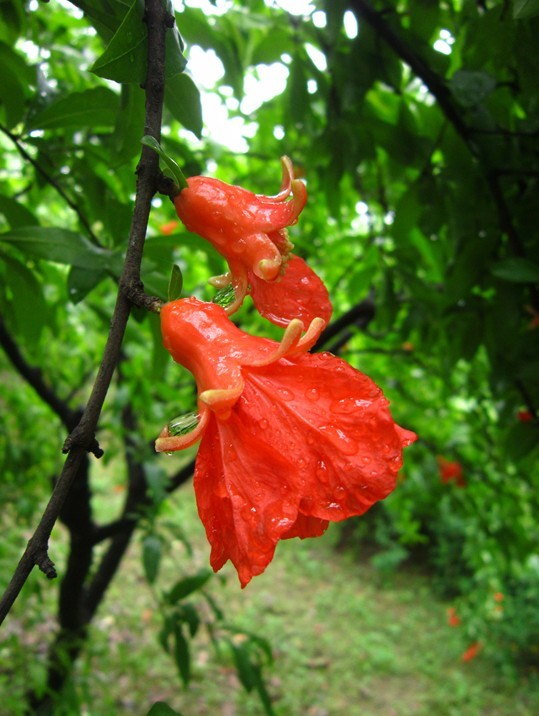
(249, 230)
(451, 471)
(290, 440)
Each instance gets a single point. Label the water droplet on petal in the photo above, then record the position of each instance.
(333, 506)
(312, 394)
(345, 406)
(339, 439)
(263, 424)
(322, 472)
(230, 454)
(285, 394)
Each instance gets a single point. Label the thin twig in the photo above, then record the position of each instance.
(52, 181)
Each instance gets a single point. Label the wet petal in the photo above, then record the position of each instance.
(311, 440)
(299, 293)
(243, 496)
(336, 423)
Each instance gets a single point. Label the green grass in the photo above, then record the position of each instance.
(345, 640)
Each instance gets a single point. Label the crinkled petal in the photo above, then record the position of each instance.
(242, 488)
(311, 440)
(299, 293)
(336, 424)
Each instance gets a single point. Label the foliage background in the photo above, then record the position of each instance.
(416, 130)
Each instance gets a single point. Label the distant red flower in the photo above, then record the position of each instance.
(534, 323)
(472, 651)
(451, 471)
(525, 416)
(290, 440)
(249, 231)
(498, 596)
(169, 228)
(452, 617)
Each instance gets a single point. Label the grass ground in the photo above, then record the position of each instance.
(346, 642)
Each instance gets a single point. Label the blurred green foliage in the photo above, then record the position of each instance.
(416, 130)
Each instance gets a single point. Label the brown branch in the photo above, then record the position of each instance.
(34, 377)
(78, 442)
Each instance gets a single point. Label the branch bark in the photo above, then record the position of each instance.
(82, 437)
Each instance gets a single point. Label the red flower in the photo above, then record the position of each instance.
(451, 470)
(453, 618)
(249, 230)
(472, 651)
(169, 228)
(525, 416)
(290, 440)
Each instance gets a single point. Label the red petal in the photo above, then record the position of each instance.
(305, 527)
(242, 493)
(310, 440)
(299, 293)
(335, 425)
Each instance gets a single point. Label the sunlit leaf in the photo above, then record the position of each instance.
(182, 99)
(91, 108)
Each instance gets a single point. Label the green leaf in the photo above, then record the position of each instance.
(16, 75)
(81, 281)
(60, 246)
(470, 87)
(104, 15)
(190, 616)
(521, 439)
(92, 108)
(188, 585)
(525, 8)
(126, 56)
(182, 99)
(16, 214)
(182, 655)
(517, 270)
(160, 708)
(129, 124)
(244, 666)
(171, 164)
(297, 91)
(175, 284)
(152, 551)
(28, 305)
(125, 59)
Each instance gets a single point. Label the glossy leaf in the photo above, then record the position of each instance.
(176, 283)
(152, 551)
(177, 173)
(60, 246)
(91, 108)
(182, 655)
(517, 270)
(525, 8)
(125, 58)
(187, 585)
(182, 99)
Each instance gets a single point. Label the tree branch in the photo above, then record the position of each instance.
(52, 181)
(157, 20)
(34, 378)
